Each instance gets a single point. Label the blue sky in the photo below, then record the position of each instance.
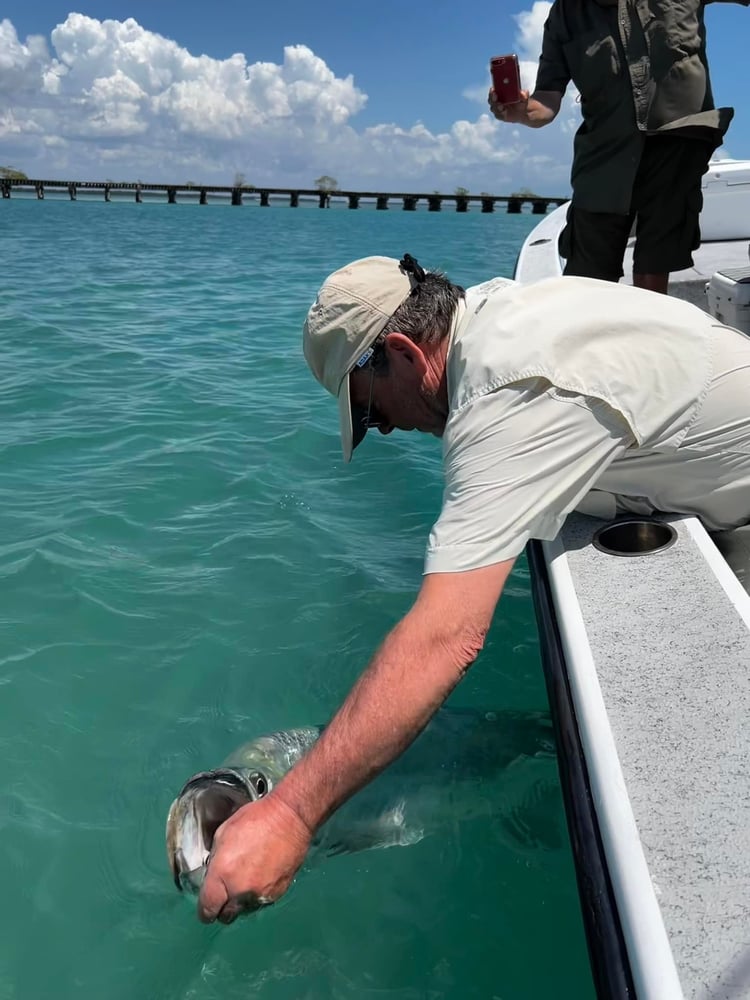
(384, 96)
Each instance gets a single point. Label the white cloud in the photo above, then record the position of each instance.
(21, 65)
(101, 93)
(530, 27)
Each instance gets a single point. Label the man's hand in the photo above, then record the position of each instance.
(516, 113)
(535, 111)
(255, 856)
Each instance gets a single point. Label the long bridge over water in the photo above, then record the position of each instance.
(239, 194)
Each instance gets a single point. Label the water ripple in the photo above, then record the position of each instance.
(185, 563)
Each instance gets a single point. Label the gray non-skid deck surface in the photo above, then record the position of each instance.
(690, 284)
(679, 704)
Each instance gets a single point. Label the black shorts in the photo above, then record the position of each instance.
(665, 206)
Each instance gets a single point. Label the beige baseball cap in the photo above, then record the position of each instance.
(351, 309)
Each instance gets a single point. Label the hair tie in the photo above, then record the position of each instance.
(410, 266)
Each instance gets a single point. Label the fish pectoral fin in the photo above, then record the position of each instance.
(339, 848)
(355, 842)
(370, 837)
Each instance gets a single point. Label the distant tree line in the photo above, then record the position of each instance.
(11, 174)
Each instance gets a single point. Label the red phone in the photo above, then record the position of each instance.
(506, 78)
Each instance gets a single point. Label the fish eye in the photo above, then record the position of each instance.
(259, 784)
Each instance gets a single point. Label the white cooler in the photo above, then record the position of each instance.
(729, 297)
(726, 201)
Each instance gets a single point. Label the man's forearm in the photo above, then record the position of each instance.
(413, 672)
(408, 679)
(539, 113)
(533, 111)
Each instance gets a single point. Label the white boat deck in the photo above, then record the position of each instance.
(657, 654)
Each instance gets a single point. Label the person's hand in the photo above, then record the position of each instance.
(256, 854)
(516, 113)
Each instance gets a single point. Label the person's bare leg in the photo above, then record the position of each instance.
(653, 282)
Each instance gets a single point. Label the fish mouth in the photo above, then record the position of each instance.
(205, 801)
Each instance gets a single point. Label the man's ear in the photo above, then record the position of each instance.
(402, 350)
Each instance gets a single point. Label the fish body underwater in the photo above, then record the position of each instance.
(465, 763)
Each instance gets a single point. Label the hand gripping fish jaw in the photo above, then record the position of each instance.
(465, 764)
(206, 801)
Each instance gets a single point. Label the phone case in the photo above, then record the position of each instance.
(506, 78)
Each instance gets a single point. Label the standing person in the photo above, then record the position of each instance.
(540, 393)
(649, 129)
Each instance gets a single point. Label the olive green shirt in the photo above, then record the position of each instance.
(640, 67)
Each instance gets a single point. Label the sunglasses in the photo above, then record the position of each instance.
(363, 420)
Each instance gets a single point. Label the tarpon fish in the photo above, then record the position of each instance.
(464, 764)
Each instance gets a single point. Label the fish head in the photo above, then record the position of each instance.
(206, 801)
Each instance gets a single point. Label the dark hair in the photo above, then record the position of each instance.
(425, 317)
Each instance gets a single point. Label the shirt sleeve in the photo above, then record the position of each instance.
(553, 73)
(517, 461)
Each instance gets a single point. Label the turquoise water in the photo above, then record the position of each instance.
(186, 563)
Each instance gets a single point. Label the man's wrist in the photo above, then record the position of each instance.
(289, 811)
(294, 805)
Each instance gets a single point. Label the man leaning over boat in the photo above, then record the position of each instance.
(544, 396)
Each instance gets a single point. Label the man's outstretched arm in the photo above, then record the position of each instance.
(258, 850)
